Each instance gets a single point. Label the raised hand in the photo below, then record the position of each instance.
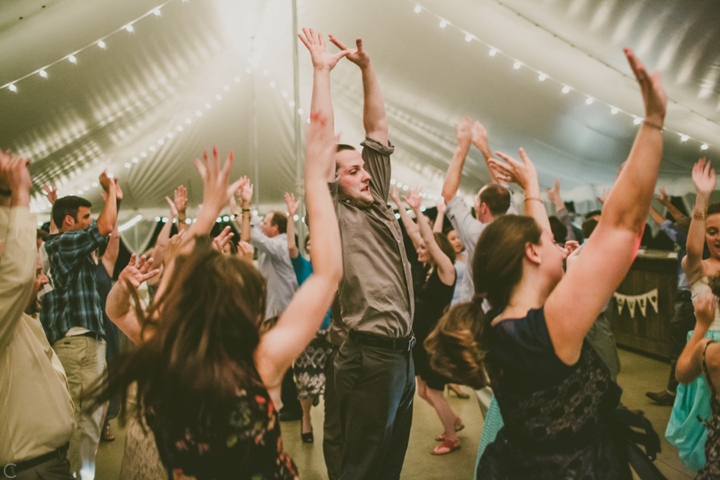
(245, 251)
(180, 201)
(245, 192)
(395, 195)
(523, 173)
(135, 273)
(463, 132)
(106, 180)
(359, 56)
(705, 307)
(441, 208)
(50, 192)
(222, 239)
(413, 199)
(15, 173)
(321, 59)
(292, 205)
(480, 138)
(554, 192)
(653, 92)
(173, 209)
(662, 197)
(703, 176)
(216, 191)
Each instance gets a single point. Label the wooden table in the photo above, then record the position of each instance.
(649, 333)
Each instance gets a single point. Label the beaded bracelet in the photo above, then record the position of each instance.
(534, 198)
(698, 215)
(654, 125)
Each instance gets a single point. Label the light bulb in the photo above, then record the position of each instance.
(443, 23)
(208, 106)
(72, 58)
(127, 165)
(237, 79)
(614, 110)
(493, 52)
(684, 138)
(101, 44)
(248, 70)
(704, 146)
(12, 87)
(637, 121)
(188, 120)
(565, 89)
(129, 28)
(517, 65)
(42, 73)
(542, 77)
(284, 93)
(291, 103)
(418, 9)
(143, 154)
(198, 113)
(468, 37)
(135, 160)
(226, 88)
(589, 101)
(157, 12)
(272, 84)
(300, 111)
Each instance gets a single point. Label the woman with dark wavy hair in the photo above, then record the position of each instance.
(555, 394)
(208, 384)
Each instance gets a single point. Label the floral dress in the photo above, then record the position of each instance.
(250, 448)
(711, 470)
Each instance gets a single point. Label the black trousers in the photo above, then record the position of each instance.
(682, 322)
(332, 433)
(375, 388)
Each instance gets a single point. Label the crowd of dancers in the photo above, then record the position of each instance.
(382, 310)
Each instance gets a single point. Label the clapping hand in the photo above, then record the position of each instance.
(359, 56)
(463, 132)
(135, 273)
(321, 59)
(523, 173)
(480, 138)
(173, 208)
(413, 199)
(245, 192)
(222, 239)
(703, 176)
(180, 201)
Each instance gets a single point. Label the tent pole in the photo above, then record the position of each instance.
(253, 112)
(299, 183)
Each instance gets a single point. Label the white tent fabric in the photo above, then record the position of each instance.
(188, 78)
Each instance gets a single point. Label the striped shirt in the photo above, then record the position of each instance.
(74, 300)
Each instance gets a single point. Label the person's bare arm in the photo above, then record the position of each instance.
(412, 229)
(300, 321)
(689, 364)
(463, 136)
(119, 307)
(50, 192)
(440, 218)
(610, 251)
(112, 251)
(162, 241)
(108, 216)
(561, 210)
(656, 216)
(245, 194)
(323, 63)
(446, 268)
(180, 202)
(374, 116)
(480, 140)
(292, 207)
(703, 176)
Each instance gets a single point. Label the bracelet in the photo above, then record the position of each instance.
(245, 210)
(654, 125)
(699, 215)
(537, 199)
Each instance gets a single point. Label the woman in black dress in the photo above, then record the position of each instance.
(555, 394)
(434, 287)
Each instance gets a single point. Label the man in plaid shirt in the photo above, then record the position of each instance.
(72, 313)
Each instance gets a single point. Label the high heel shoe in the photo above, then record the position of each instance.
(457, 391)
(306, 437)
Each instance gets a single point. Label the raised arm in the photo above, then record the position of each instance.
(672, 209)
(112, 251)
(50, 192)
(412, 229)
(119, 307)
(703, 176)
(374, 117)
(610, 251)
(323, 63)
(524, 174)
(180, 203)
(689, 364)
(480, 140)
(108, 216)
(292, 207)
(440, 217)
(446, 268)
(245, 195)
(656, 216)
(463, 136)
(560, 209)
(299, 323)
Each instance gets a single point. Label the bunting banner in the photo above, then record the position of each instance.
(641, 301)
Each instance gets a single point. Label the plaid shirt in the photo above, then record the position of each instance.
(74, 300)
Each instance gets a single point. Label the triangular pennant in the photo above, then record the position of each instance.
(653, 298)
(620, 298)
(642, 302)
(631, 305)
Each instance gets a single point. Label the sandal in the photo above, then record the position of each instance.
(107, 433)
(445, 447)
(459, 425)
(458, 392)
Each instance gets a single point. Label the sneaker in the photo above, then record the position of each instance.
(664, 398)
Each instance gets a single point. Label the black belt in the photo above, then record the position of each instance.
(12, 469)
(404, 344)
(94, 335)
(683, 296)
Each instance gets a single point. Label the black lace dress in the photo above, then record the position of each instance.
(711, 470)
(558, 419)
(249, 448)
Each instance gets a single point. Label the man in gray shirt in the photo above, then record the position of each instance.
(492, 201)
(374, 374)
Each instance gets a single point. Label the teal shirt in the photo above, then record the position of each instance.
(303, 270)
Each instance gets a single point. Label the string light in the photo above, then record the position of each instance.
(72, 58)
(12, 87)
(42, 73)
(156, 12)
(101, 44)
(637, 121)
(129, 27)
(493, 51)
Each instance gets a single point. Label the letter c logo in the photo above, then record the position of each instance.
(5, 470)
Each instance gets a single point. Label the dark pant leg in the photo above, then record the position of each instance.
(289, 394)
(682, 322)
(332, 433)
(373, 386)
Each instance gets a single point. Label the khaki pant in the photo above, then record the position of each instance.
(84, 361)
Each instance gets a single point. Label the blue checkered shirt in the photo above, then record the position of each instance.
(74, 300)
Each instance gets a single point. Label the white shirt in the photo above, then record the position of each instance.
(36, 410)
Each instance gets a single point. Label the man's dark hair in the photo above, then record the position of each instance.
(588, 227)
(497, 198)
(41, 234)
(343, 146)
(67, 206)
(592, 213)
(280, 220)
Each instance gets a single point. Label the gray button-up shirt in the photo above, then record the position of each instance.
(376, 292)
(274, 263)
(468, 229)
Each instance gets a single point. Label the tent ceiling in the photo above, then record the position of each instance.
(118, 102)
